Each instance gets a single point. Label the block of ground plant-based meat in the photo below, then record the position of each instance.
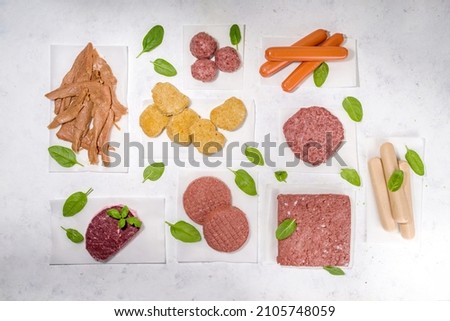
(323, 233)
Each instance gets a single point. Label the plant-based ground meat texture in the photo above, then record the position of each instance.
(204, 70)
(226, 229)
(203, 46)
(323, 229)
(103, 236)
(204, 195)
(227, 59)
(313, 134)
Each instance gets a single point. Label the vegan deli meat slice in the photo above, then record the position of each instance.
(226, 229)
(169, 99)
(104, 238)
(204, 195)
(313, 134)
(86, 105)
(202, 45)
(230, 115)
(152, 121)
(323, 229)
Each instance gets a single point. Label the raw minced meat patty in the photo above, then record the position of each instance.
(313, 134)
(103, 236)
(227, 59)
(204, 195)
(204, 70)
(323, 229)
(226, 229)
(203, 45)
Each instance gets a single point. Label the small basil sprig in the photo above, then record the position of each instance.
(351, 176)
(75, 203)
(123, 218)
(333, 270)
(321, 74)
(281, 176)
(353, 108)
(244, 181)
(63, 156)
(235, 35)
(164, 67)
(254, 155)
(184, 232)
(153, 172)
(152, 39)
(396, 180)
(73, 235)
(414, 161)
(286, 229)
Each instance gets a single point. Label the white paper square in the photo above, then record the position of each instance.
(62, 58)
(375, 232)
(225, 80)
(348, 151)
(201, 252)
(342, 73)
(148, 246)
(317, 184)
(203, 107)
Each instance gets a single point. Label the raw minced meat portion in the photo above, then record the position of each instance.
(202, 45)
(227, 59)
(204, 70)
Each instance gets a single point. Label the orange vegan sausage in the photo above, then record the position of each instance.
(314, 38)
(381, 194)
(306, 53)
(407, 230)
(306, 68)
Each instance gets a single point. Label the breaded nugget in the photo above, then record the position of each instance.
(206, 138)
(152, 121)
(178, 127)
(230, 115)
(169, 99)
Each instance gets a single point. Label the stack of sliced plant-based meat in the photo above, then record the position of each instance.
(86, 105)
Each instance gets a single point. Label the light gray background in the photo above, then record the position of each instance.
(403, 56)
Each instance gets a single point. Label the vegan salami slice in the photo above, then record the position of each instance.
(204, 195)
(226, 229)
(313, 134)
(103, 236)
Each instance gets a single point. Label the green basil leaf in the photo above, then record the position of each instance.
(134, 221)
(153, 172)
(351, 176)
(281, 176)
(254, 155)
(75, 203)
(124, 212)
(114, 213)
(184, 232)
(333, 270)
(245, 182)
(152, 39)
(63, 156)
(286, 229)
(396, 180)
(353, 108)
(73, 235)
(235, 35)
(414, 161)
(164, 67)
(320, 74)
(122, 223)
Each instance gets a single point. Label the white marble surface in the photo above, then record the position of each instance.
(404, 59)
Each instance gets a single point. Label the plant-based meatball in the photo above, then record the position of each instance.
(203, 46)
(204, 70)
(227, 59)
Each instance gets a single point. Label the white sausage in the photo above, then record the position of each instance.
(407, 230)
